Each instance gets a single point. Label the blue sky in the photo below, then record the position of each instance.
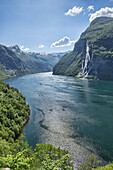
(48, 25)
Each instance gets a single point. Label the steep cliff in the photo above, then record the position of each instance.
(92, 56)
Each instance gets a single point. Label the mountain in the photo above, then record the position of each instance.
(14, 62)
(92, 56)
(15, 48)
(50, 58)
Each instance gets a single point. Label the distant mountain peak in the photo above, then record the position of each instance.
(15, 48)
(15, 62)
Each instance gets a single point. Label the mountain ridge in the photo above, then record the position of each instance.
(15, 62)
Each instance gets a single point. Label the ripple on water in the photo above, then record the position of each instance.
(75, 114)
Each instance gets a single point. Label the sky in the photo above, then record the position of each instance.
(48, 25)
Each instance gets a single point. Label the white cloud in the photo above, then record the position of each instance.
(63, 42)
(41, 46)
(91, 7)
(23, 48)
(26, 49)
(106, 12)
(74, 11)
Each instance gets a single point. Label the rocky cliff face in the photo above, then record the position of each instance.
(15, 48)
(92, 56)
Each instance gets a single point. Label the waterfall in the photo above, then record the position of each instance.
(87, 59)
(82, 66)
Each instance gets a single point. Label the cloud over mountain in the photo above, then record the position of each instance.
(63, 42)
(23, 48)
(106, 12)
(91, 7)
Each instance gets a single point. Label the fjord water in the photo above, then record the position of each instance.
(75, 114)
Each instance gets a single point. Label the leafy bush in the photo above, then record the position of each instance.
(91, 162)
(18, 156)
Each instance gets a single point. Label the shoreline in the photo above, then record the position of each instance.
(28, 116)
(25, 123)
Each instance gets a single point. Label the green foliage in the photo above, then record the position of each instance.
(15, 155)
(91, 162)
(13, 112)
(50, 164)
(17, 161)
(4, 73)
(91, 77)
(52, 158)
(107, 167)
(69, 64)
(46, 157)
(18, 156)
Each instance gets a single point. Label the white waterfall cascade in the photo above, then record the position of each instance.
(87, 59)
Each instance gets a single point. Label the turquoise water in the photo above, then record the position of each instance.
(75, 114)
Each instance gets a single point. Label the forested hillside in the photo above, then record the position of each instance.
(13, 112)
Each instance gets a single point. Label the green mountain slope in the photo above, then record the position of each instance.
(14, 62)
(93, 53)
(50, 58)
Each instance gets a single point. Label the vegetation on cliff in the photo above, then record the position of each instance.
(13, 112)
(98, 37)
(19, 155)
